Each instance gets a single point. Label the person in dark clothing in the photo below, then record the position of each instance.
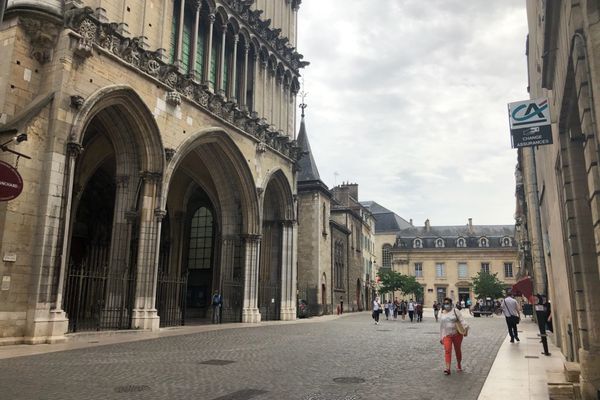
(541, 314)
(217, 301)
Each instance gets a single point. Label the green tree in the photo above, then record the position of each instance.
(391, 281)
(487, 285)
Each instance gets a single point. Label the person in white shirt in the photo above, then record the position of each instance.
(449, 335)
(376, 310)
(510, 309)
(411, 310)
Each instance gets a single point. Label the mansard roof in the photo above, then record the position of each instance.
(385, 220)
(308, 166)
(450, 234)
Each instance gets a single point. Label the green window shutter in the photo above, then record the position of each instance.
(213, 62)
(226, 65)
(186, 48)
(174, 25)
(200, 51)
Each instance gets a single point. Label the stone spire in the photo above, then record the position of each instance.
(308, 166)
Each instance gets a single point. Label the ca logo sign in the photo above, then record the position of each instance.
(530, 113)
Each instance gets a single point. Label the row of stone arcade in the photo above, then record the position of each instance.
(152, 233)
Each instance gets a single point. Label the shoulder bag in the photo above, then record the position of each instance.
(460, 328)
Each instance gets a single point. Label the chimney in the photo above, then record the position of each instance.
(470, 225)
(427, 225)
(410, 222)
(352, 189)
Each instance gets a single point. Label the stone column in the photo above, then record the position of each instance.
(273, 79)
(178, 54)
(288, 283)
(221, 86)
(233, 76)
(73, 151)
(144, 315)
(159, 215)
(244, 94)
(264, 65)
(250, 311)
(208, 53)
(197, 7)
(281, 104)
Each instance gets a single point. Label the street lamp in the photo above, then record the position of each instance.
(21, 137)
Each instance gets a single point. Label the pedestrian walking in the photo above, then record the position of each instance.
(436, 310)
(396, 308)
(452, 330)
(386, 309)
(542, 318)
(411, 310)
(419, 311)
(376, 310)
(468, 302)
(403, 307)
(217, 301)
(510, 309)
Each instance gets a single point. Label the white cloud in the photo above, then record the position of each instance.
(408, 99)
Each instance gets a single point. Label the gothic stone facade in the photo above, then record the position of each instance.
(161, 137)
(560, 186)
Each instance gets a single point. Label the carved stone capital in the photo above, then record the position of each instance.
(42, 35)
(212, 18)
(150, 177)
(160, 214)
(131, 216)
(173, 98)
(77, 101)
(122, 180)
(169, 153)
(74, 149)
(260, 191)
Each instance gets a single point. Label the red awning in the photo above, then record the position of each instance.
(524, 287)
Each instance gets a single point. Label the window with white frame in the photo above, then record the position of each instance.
(439, 242)
(461, 242)
(418, 243)
(485, 267)
(506, 242)
(463, 270)
(419, 270)
(508, 270)
(440, 270)
(386, 256)
(484, 242)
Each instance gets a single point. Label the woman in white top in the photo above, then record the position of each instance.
(449, 335)
(376, 310)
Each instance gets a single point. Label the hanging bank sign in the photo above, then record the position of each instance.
(11, 183)
(530, 123)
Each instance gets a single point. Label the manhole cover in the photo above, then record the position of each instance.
(217, 362)
(244, 394)
(531, 357)
(131, 388)
(348, 379)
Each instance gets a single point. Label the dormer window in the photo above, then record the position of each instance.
(439, 242)
(461, 242)
(418, 243)
(506, 242)
(484, 242)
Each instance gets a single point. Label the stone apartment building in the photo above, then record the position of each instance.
(445, 258)
(558, 185)
(336, 261)
(163, 156)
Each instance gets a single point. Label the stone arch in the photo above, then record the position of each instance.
(282, 193)
(144, 133)
(236, 166)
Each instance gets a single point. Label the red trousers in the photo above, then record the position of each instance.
(448, 341)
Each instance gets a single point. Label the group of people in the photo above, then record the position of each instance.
(393, 309)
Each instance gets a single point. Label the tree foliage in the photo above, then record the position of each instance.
(391, 281)
(487, 285)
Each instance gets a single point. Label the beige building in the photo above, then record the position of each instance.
(558, 185)
(444, 259)
(336, 261)
(163, 159)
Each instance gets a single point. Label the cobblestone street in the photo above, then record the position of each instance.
(345, 358)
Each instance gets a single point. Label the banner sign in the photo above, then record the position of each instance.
(530, 123)
(11, 183)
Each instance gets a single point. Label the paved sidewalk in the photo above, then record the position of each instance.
(520, 370)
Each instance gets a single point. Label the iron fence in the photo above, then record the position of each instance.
(170, 299)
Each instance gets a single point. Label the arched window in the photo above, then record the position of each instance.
(506, 242)
(417, 243)
(386, 256)
(439, 242)
(201, 238)
(338, 260)
(461, 242)
(484, 242)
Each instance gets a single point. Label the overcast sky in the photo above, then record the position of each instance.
(408, 98)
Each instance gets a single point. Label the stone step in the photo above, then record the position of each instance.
(572, 372)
